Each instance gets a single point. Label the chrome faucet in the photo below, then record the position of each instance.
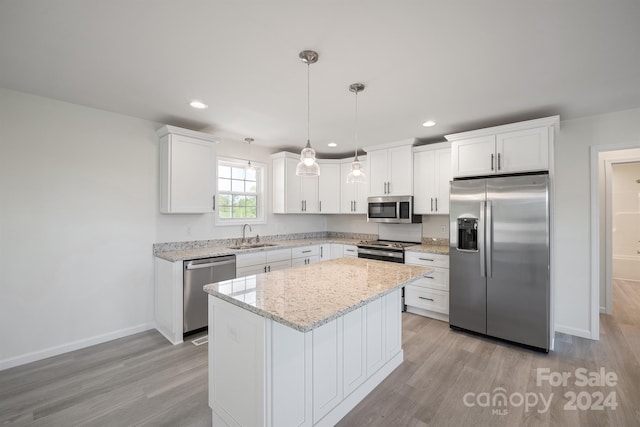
(244, 230)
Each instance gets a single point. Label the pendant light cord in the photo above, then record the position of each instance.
(356, 133)
(308, 99)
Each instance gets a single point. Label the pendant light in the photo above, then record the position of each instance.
(249, 166)
(357, 174)
(308, 165)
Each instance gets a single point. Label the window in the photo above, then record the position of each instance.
(240, 192)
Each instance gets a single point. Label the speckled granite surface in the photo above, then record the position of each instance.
(429, 248)
(179, 251)
(307, 297)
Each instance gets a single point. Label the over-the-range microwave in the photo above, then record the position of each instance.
(391, 209)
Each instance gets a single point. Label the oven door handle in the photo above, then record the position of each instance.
(380, 253)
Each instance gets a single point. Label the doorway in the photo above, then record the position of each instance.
(615, 235)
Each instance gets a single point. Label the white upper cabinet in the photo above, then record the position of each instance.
(353, 196)
(513, 148)
(292, 193)
(187, 171)
(431, 177)
(329, 186)
(391, 169)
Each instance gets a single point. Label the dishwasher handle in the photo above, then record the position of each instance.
(209, 264)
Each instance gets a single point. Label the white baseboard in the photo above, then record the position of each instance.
(74, 345)
(582, 333)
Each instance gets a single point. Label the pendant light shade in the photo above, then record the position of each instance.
(308, 166)
(356, 175)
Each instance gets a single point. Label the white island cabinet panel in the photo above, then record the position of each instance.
(291, 377)
(354, 370)
(392, 325)
(327, 368)
(375, 329)
(235, 344)
(168, 303)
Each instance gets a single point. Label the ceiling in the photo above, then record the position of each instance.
(465, 64)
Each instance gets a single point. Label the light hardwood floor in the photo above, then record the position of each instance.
(142, 380)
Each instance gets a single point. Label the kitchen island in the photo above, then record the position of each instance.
(303, 346)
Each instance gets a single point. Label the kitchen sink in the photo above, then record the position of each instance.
(251, 245)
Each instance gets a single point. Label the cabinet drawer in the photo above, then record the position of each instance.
(436, 279)
(250, 270)
(305, 252)
(426, 259)
(426, 299)
(255, 258)
(350, 250)
(278, 265)
(278, 255)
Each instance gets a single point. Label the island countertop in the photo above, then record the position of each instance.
(306, 297)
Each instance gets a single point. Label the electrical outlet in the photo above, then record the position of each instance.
(443, 229)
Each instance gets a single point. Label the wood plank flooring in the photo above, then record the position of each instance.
(142, 380)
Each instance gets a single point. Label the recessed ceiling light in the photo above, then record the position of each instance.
(332, 144)
(429, 123)
(198, 104)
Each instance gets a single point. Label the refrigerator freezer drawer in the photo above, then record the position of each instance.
(437, 279)
(427, 299)
(426, 259)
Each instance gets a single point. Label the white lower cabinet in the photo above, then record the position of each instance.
(262, 262)
(350, 250)
(305, 255)
(429, 295)
(262, 373)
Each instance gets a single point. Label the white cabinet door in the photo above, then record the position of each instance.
(400, 171)
(443, 180)
(325, 251)
(392, 324)
(293, 187)
(424, 181)
(474, 157)
(523, 151)
(337, 250)
(350, 250)
(187, 172)
(309, 193)
(329, 188)
(391, 171)
(378, 165)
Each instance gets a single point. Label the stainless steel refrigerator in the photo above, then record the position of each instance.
(499, 258)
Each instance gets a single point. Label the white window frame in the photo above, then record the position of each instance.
(261, 205)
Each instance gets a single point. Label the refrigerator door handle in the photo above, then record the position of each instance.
(481, 229)
(489, 237)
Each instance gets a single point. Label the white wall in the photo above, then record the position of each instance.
(572, 213)
(79, 214)
(77, 221)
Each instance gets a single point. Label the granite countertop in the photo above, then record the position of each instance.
(429, 248)
(197, 253)
(307, 297)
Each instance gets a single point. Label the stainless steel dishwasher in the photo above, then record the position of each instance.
(197, 273)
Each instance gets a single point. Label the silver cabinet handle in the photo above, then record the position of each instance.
(355, 206)
(432, 204)
(301, 205)
(427, 277)
(428, 299)
(498, 161)
(436, 204)
(349, 250)
(426, 259)
(265, 268)
(306, 252)
(321, 251)
(269, 268)
(492, 162)
(213, 205)
(320, 206)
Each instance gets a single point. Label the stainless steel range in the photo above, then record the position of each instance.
(383, 250)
